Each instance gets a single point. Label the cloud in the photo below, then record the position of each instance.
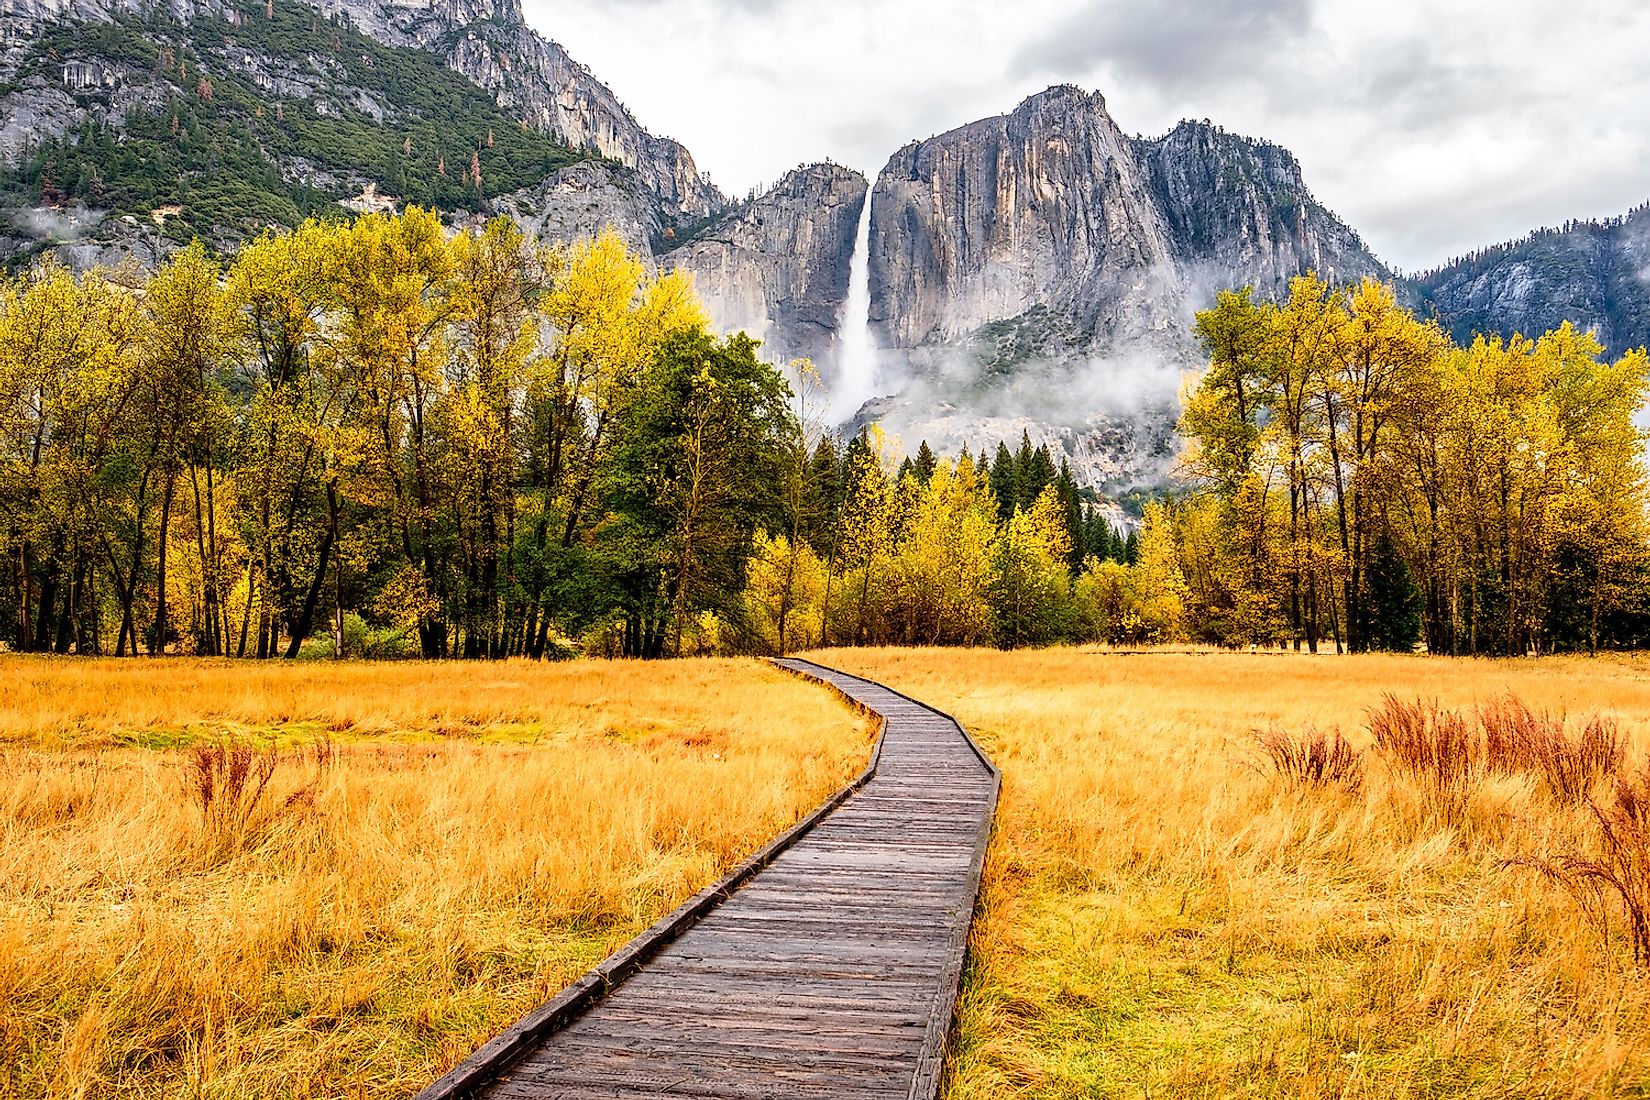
(47, 223)
(1170, 44)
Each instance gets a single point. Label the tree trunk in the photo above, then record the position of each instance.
(306, 617)
(158, 644)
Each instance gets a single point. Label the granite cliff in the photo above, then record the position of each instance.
(1039, 271)
(777, 266)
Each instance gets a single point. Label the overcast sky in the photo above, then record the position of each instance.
(1431, 127)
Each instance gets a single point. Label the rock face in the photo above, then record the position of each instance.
(1593, 274)
(777, 267)
(1053, 208)
(583, 200)
(1040, 270)
(1239, 209)
(536, 81)
(1045, 206)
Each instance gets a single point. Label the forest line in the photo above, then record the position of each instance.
(377, 439)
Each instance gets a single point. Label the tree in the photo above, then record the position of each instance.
(1159, 586)
(942, 565)
(496, 340)
(925, 463)
(394, 279)
(867, 524)
(784, 597)
(700, 445)
(1005, 481)
(279, 294)
(607, 320)
(1030, 578)
(1392, 607)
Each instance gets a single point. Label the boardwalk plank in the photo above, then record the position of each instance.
(829, 972)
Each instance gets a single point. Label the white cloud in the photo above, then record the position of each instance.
(1431, 128)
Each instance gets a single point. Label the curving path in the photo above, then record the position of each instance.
(827, 966)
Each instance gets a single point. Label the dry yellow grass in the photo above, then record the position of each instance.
(1162, 917)
(481, 835)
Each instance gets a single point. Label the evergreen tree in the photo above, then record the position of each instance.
(1065, 487)
(1392, 603)
(822, 493)
(1037, 474)
(1005, 481)
(926, 463)
(1022, 471)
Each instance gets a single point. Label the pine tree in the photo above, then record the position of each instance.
(1392, 602)
(926, 463)
(1005, 482)
(1065, 487)
(822, 493)
(1038, 474)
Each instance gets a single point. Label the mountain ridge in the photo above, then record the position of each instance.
(1033, 271)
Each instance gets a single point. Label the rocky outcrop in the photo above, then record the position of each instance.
(580, 202)
(536, 81)
(1239, 209)
(1595, 275)
(777, 267)
(488, 41)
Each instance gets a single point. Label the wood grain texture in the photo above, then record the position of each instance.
(826, 966)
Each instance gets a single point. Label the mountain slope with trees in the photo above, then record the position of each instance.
(1593, 274)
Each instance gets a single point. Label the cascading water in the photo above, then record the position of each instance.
(856, 358)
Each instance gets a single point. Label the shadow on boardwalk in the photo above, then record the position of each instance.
(826, 966)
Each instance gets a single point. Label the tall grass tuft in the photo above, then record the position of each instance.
(1517, 739)
(1444, 750)
(1435, 748)
(227, 781)
(1619, 866)
(1312, 758)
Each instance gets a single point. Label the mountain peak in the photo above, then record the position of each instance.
(1065, 97)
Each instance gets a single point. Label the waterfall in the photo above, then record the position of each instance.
(856, 358)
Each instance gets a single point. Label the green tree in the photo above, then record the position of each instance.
(1392, 604)
(699, 447)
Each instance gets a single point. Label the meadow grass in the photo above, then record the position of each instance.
(1164, 914)
(437, 849)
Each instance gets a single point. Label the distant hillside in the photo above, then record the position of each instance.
(262, 118)
(127, 126)
(1595, 274)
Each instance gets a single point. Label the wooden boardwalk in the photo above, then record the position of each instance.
(827, 968)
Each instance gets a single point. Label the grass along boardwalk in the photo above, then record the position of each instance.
(826, 967)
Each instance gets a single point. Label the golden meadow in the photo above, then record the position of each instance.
(435, 850)
(441, 847)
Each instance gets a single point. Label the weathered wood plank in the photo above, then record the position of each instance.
(828, 968)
